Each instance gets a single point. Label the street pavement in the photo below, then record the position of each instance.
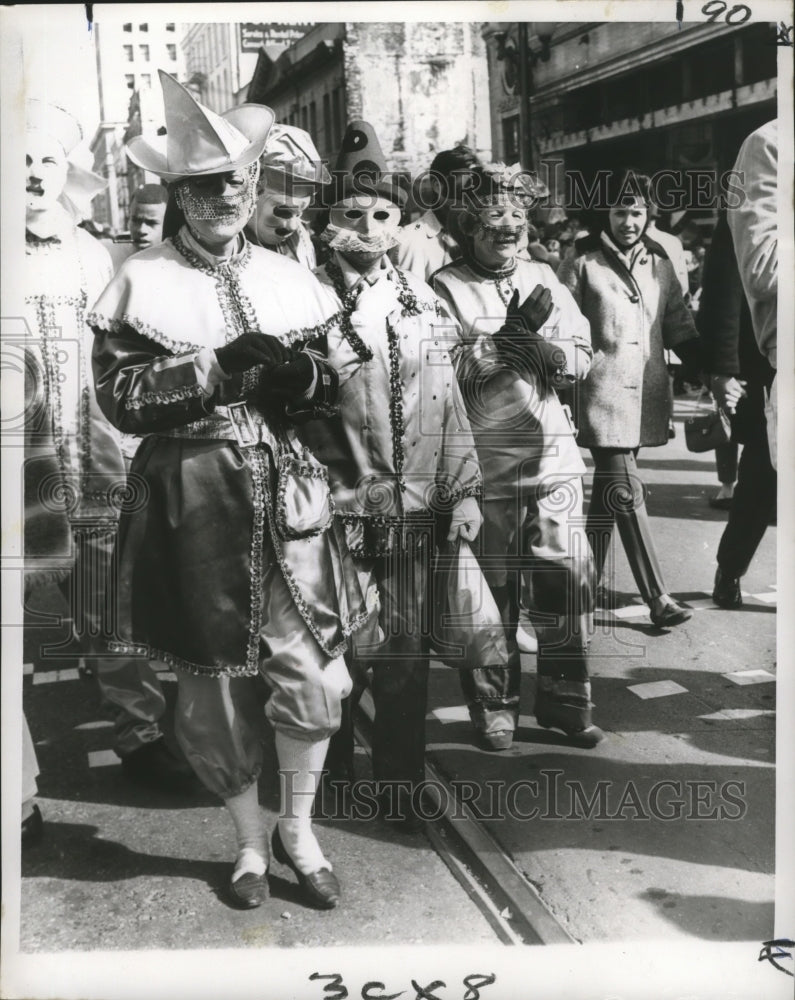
(664, 831)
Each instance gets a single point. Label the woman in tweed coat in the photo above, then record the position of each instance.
(627, 288)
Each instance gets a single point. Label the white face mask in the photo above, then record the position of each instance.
(363, 226)
(278, 215)
(46, 172)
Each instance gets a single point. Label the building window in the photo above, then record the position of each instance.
(129, 79)
(126, 27)
(304, 119)
(143, 27)
(128, 52)
(170, 27)
(312, 119)
(171, 51)
(146, 79)
(143, 52)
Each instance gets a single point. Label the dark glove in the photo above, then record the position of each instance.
(533, 312)
(290, 379)
(523, 349)
(250, 349)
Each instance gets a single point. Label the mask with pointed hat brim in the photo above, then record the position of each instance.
(198, 142)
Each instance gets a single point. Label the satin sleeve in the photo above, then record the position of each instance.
(142, 388)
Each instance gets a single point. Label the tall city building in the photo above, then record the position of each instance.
(129, 54)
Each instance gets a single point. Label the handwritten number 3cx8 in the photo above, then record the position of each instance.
(738, 14)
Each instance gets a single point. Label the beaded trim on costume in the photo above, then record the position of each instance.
(396, 404)
(52, 358)
(257, 463)
(163, 397)
(348, 299)
(178, 663)
(118, 323)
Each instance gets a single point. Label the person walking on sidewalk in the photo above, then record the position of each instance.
(399, 454)
(232, 569)
(523, 337)
(74, 462)
(627, 288)
(738, 369)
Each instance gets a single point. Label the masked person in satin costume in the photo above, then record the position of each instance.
(75, 472)
(400, 452)
(524, 337)
(197, 348)
(290, 173)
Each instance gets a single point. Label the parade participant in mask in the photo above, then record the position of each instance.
(74, 459)
(232, 568)
(627, 288)
(524, 337)
(400, 451)
(290, 173)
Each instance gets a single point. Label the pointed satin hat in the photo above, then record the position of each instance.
(290, 153)
(199, 142)
(42, 116)
(361, 168)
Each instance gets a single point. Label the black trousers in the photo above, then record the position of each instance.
(400, 666)
(754, 500)
(618, 496)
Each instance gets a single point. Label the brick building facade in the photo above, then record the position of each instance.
(423, 86)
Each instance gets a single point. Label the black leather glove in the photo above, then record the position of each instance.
(250, 349)
(519, 344)
(533, 312)
(290, 379)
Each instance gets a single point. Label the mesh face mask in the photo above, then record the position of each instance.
(214, 207)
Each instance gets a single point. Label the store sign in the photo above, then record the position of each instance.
(254, 36)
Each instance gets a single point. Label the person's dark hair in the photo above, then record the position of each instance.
(150, 194)
(449, 161)
(624, 187)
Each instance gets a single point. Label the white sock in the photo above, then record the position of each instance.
(252, 845)
(300, 767)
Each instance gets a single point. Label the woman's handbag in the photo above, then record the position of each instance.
(468, 630)
(304, 505)
(706, 430)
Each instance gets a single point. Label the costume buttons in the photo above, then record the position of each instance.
(634, 298)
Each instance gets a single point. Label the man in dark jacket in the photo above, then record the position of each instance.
(724, 322)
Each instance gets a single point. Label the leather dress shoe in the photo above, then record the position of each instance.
(249, 890)
(32, 828)
(155, 766)
(321, 888)
(501, 739)
(585, 738)
(670, 614)
(727, 592)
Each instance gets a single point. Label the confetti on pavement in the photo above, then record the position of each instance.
(103, 758)
(97, 724)
(737, 713)
(27, 668)
(452, 713)
(750, 676)
(656, 689)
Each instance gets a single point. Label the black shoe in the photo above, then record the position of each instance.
(155, 766)
(727, 590)
(670, 615)
(720, 503)
(586, 738)
(321, 888)
(32, 828)
(249, 890)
